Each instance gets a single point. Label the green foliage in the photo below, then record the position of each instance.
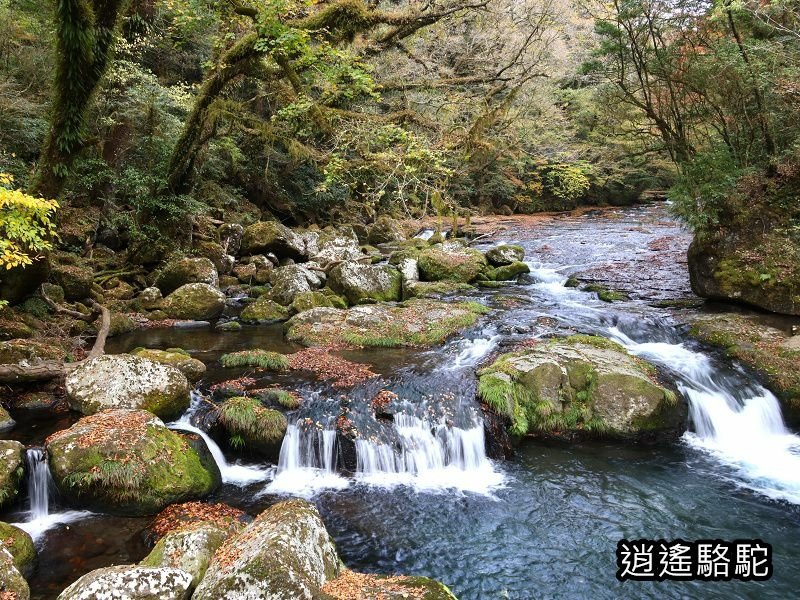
(262, 359)
(246, 420)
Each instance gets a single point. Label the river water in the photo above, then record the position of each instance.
(424, 499)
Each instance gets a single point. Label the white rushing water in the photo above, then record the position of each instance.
(307, 463)
(233, 473)
(430, 457)
(40, 490)
(746, 435)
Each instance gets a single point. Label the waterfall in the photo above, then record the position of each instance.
(428, 456)
(739, 425)
(233, 473)
(307, 462)
(40, 482)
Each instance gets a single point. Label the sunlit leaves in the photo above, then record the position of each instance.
(26, 225)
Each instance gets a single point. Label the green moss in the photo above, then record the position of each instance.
(458, 265)
(605, 294)
(35, 306)
(264, 310)
(433, 289)
(20, 544)
(262, 359)
(595, 341)
(253, 424)
(507, 272)
(282, 398)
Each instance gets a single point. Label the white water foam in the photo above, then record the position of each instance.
(472, 351)
(307, 463)
(748, 436)
(431, 457)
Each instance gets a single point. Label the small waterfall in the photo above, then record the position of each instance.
(40, 483)
(307, 462)
(233, 473)
(738, 424)
(428, 456)
(472, 351)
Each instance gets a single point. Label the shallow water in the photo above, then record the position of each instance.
(546, 523)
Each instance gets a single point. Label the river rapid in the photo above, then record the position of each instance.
(542, 525)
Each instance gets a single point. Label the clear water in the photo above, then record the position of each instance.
(546, 524)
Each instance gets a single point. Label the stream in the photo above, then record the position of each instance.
(544, 524)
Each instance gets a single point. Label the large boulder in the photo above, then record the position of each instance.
(505, 254)
(12, 583)
(252, 426)
(581, 386)
(271, 236)
(216, 253)
(195, 301)
(451, 261)
(762, 270)
(385, 230)
(75, 280)
(264, 310)
(12, 470)
(179, 272)
(126, 462)
(416, 323)
(286, 553)
(131, 582)
(336, 246)
(126, 381)
(20, 544)
(308, 300)
(193, 368)
(291, 280)
(371, 283)
(189, 549)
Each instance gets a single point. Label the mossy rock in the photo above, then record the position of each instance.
(6, 422)
(228, 326)
(12, 583)
(131, 582)
(126, 381)
(174, 357)
(177, 273)
(223, 261)
(20, 544)
(578, 387)
(195, 301)
(271, 236)
(290, 280)
(364, 586)
(507, 272)
(451, 261)
(29, 351)
(505, 254)
(252, 426)
(75, 280)
(285, 553)
(18, 283)
(385, 230)
(435, 289)
(308, 300)
(360, 283)
(120, 324)
(280, 398)
(12, 470)
(264, 310)
(126, 462)
(605, 294)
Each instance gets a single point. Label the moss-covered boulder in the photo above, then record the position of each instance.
(126, 462)
(771, 352)
(189, 549)
(174, 357)
(271, 236)
(285, 553)
(121, 324)
(350, 585)
(507, 272)
(126, 381)
(75, 280)
(29, 351)
(131, 582)
(179, 272)
(581, 386)
(315, 299)
(451, 261)
(361, 283)
(222, 260)
(762, 270)
(18, 283)
(335, 246)
(418, 323)
(505, 254)
(12, 470)
(255, 358)
(12, 583)
(264, 310)
(291, 280)
(252, 426)
(385, 230)
(20, 544)
(195, 301)
(150, 298)
(434, 289)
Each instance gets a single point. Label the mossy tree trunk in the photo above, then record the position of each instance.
(85, 38)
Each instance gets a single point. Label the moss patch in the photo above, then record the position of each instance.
(252, 425)
(262, 359)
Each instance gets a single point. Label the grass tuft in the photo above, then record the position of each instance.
(262, 359)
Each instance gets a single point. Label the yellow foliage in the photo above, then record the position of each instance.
(26, 225)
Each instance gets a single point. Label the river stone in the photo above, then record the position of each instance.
(264, 310)
(189, 549)
(11, 580)
(505, 254)
(509, 271)
(286, 553)
(271, 236)
(20, 544)
(28, 352)
(131, 582)
(126, 462)
(451, 261)
(359, 282)
(178, 273)
(336, 246)
(222, 260)
(308, 300)
(581, 386)
(174, 357)
(150, 298)
(12, 470)
(195, 301)
(125, 381)
(291, 280)
(259, 428)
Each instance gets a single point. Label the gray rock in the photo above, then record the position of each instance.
(291, 280)
(359, 282)
(189, 549)
(505, 254)
(11, 580)
(187, 270)
(195, 301)
(150, 298)
(230, 237)
(271, 236)
(131, 582)
(12, 470)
